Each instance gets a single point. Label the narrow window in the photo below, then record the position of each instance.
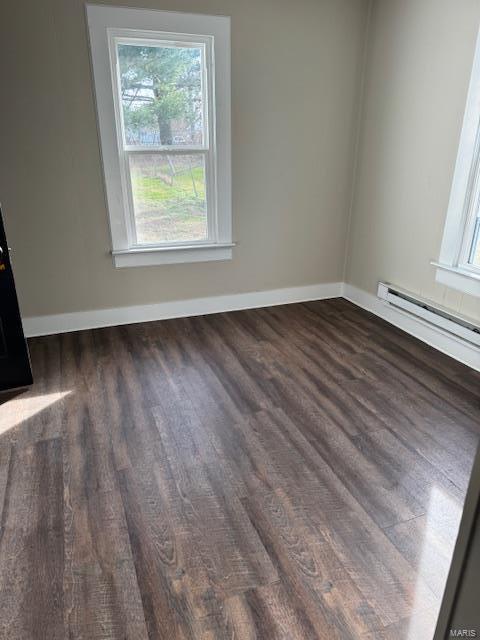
(163, 101)
(459, 261)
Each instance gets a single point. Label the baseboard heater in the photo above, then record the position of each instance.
(429, 313)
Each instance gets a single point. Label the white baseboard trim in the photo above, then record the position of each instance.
(434, 336)
(64, 322)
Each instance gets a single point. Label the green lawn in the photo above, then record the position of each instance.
(169, 207)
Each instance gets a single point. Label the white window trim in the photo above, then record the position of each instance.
(452, 267)
(107, 24)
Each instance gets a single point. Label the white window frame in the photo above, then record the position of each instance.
(453, 266)
(109, 26)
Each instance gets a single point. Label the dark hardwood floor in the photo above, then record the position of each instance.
(291, 473)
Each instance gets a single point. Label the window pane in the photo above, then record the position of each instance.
(475, 251)
(169, 197)
(161, 94)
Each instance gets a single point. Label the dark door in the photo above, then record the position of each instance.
(14, 360)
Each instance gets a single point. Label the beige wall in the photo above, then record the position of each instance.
(419, 59)
(295, 70)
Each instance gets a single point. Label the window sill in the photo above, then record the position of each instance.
(457, 278)
(147, 256)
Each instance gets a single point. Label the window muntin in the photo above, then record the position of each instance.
(161, 95)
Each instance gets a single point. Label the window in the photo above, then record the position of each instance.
(163, 102)
(459, 262)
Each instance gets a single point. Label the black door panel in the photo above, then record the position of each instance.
(15, 368)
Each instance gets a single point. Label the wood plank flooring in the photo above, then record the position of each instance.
(295, 473)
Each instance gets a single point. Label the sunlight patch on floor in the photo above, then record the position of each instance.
(440, 534)
(17, 410)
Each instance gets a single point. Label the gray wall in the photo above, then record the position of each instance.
(295, 75)
(296, 72)
(419, 59)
